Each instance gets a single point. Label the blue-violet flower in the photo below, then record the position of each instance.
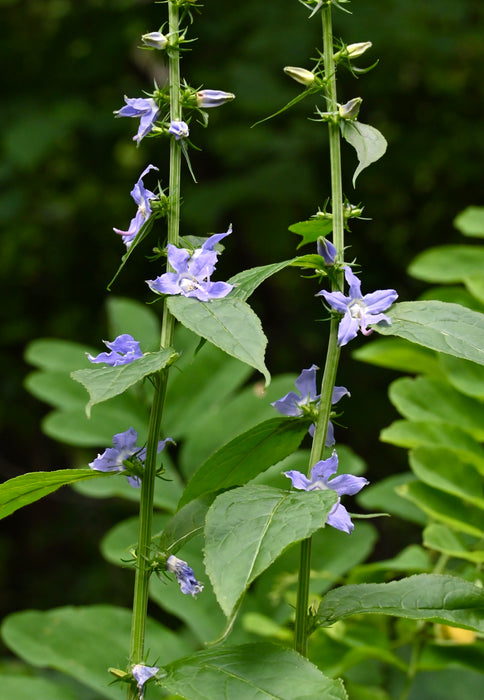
(179, 130)
(213, 98)
(359, 311)
(145, 108)
(326, 250)
(142, 197)
(293, 404)
(345, 484)
(124, 349)
(184, 575)
(125, 450)
(192, 272)
(141, 674)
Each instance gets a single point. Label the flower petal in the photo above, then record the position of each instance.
(339, 518)
(323, 469)
(299, 480)
(306, 384)
(288, 404)
(354, 283)
(347, 329)
(347, 484)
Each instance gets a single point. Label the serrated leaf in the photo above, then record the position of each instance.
(447, 264)
(106, 382)
(437, 598)
(28, 488)
(443, 539)
(247, 455)
(248, 672)
(247, 281)
(230, 324)
(470, 222)
(248, 528)
(312, 229)
(367, 141)
(448, 328)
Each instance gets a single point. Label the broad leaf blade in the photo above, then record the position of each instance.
(447, 264)
(448, 328)
(367, 141)
(247, 281)
(28, 488)
(229, 323)
(248, 672)
(312, 229)
(470, 222)
(106, 382)
(249, 527)
(247, 455)
(446, 599)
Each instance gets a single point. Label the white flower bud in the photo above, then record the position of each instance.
(350, 109)
(155, 40)
(356, 50)
(300, 75)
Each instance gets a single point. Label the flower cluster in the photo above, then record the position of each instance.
(124, 349)
(184, 575)
(142, 198)
(358, 311)
(307, 400)
(345, 484)
(125, 456)
(193, 270)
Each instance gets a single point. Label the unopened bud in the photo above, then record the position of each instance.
(356, 50)
(213, 98)
(300, 75)
(179, 130)
(350, 109)
(326, 250)
(155, 40)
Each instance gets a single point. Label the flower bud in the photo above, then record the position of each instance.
(213, 98)
(300, 75)
(356, 50)
(179, 130)
(155, 40)
(326, 250)
(350, 109)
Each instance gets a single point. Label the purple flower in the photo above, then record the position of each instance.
(124, 349)
(179, 130)
(345, 484)
(359, 311)
(142, 674)
(307, 400)
(125, 455)
(327, 250)
(192, 272)
(145, 109)
(213, 98)
(184, 575)
(142, 197)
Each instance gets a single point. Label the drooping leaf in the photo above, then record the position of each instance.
(446, 471)
(28, 488)
(367, 141)
(443, 539)
(312, 229)
(106, 382)
(470, 222)
(247, 455)
(230, 324)
(248, 528)
(447, 264)
(437, 598)
(437, 325)
(248, 672)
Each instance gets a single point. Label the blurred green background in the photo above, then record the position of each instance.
(67, 167)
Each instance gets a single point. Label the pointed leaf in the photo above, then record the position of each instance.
(229, 323)
(249, 527)
(447, 264)
(28, 488)
(470, 222)
(247, 455)
(312, 229)
(247, 281)
(446, 599)
(367, 141)
(104, 383)
(448, 328)
(187, 523)
(443, 539)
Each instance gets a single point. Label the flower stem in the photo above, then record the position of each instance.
(143, 571)
(333, 350)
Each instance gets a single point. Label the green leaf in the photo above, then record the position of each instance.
(424, 399)
(454, 294)
(464, 375)
(187, 523)
(248, 528)
(447, 264)
(28, 488)
(384, 496)
(57, 355)
(396, 353)
(22, 687)
(475, 285)
(55, 388)
(444, 470)
(367, 141)
(135, 318)
(470, 222)
(116, 545)
(247, 281)
(312, 229)
(443, 539)
(247, 455)
(230, 324)
(448, 328)
(445, 599)
(248, 672)
(104, 383)
(84, 642)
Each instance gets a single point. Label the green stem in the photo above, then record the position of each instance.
(143, 570)
(333, 350)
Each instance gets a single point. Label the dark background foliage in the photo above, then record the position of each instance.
(67, 168)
